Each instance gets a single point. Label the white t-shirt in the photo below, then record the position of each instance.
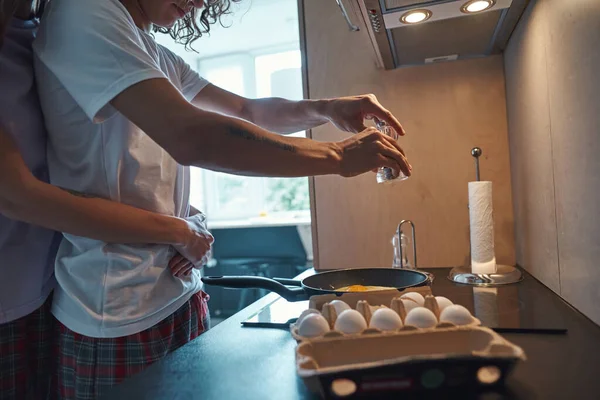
(87, 52)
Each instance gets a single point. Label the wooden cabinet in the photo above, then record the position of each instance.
(447, 109)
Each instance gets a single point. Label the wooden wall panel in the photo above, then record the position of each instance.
(531, 150)
(446, 109)
(552, 69)
(574, 98)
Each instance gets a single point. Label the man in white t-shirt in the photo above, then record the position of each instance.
(124, 116)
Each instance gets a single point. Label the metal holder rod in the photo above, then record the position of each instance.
(476, 152)
(504, 275)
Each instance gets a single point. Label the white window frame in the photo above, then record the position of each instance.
(258, 192)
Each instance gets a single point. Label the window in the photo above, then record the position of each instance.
(265, 75)
(251, 61)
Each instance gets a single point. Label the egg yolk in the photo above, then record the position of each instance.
(357, 288)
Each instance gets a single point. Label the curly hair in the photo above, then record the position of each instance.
(190, 28)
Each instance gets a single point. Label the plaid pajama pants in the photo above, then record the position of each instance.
(26, 354)
(89, 367)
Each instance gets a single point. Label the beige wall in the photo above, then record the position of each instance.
(553, 96)
(447, 109)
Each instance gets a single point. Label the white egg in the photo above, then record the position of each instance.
(350, 321)
(443, 302)
(305, 313)
(409, 304)
(385, 319)
(421, 317)
(339, 306)
(418, 297)
(456, 314)
(313, 325)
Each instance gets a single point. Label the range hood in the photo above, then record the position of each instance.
(448, 32)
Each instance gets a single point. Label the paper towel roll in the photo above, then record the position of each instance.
(481, 218)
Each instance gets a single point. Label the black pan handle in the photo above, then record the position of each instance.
(288, 282)
(247, 282)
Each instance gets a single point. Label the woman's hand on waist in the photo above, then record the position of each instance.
(194, 246)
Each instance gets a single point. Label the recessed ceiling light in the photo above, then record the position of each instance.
(475, 6)
(415, 16)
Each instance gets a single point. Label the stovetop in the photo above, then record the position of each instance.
(511, 308)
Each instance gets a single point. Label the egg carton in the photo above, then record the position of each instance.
(409, 312)
(441, 360)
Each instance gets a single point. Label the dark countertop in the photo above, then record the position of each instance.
(235, 362)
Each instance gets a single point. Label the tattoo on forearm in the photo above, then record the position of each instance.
(251, 136)
(78, 194)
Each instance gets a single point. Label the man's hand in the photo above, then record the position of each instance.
(349, 113)
(370, 150)
(194, 252)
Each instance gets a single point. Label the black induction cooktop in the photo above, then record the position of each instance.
(501, 308)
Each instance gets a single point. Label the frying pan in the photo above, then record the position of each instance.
(325, 282)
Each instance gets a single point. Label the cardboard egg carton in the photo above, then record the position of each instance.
(444, 357)
(406, 361)
(366, 308)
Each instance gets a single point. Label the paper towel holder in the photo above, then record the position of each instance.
(504, 275)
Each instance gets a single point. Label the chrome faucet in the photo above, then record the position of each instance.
(400, 259)
(400, 246)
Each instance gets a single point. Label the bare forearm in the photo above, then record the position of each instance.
(234, 146)
(201, 134)
(41, 204)
(209, 139)
(273, 114)
(287, 116)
